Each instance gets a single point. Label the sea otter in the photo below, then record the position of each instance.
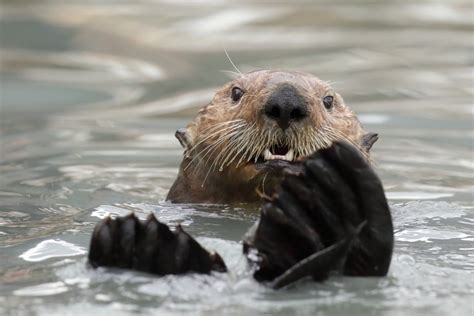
(288, 140)
(256, 126)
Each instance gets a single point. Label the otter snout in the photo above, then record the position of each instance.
(285, 105)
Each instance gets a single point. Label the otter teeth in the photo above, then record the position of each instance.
(267, 155)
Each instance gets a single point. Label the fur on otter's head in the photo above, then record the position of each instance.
(255, 127)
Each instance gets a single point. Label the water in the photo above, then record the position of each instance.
(92, 92)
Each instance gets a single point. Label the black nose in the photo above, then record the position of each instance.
(286, 105)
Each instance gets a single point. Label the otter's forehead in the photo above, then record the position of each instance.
(270, 78)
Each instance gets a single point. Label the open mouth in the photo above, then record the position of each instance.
(277, 153)
(275, 159)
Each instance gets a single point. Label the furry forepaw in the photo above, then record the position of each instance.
(331, 216)
(149, 246)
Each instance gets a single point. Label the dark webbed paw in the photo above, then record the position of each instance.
(149, 246)
(332, 216)
(330, 213)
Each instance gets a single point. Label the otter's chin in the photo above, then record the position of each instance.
(275, 164)
(277, 167)
(277, 160)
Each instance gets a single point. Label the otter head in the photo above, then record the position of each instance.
(257, 126)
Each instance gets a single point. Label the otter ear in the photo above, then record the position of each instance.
(184, 138)
(368, 140)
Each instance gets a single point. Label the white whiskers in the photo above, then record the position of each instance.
(233, 143)
(232, 63)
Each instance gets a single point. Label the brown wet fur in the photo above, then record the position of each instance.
(218, 164)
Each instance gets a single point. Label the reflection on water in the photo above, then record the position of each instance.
(91, 94)
(50, 249)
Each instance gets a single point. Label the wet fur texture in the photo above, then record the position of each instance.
(334, 210)
(223, 142)
(149, 246)
(329, 215)
(324, 211)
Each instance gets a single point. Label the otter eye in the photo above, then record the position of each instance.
(236, 94)
(328, 101)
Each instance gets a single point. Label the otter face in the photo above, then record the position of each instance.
(260, 124)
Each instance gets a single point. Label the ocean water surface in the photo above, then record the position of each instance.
(91, 93)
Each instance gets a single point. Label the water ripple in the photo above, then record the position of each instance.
(52, 248)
